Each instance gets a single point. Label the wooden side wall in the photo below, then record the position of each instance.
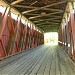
(68, 34)
(15, 36)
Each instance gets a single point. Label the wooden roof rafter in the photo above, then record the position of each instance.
(17, 1)
(43, 7)
(49, 28)
(31, 7)
(53, 18)
(48, 13)
(47, 20)
(24, 6)
(44, 15)
(47, 24)
(52, 28)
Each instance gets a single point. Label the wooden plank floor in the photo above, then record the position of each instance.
(42, 60)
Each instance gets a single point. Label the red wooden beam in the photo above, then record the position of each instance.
(11, 23)
(3, 49)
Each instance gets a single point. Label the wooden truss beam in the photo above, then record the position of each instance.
(52, 20)
(44, 15)
(59, 10)
(49, 28)
(23, 6)
(30, 14)
(46, 24)
(40, 19)
(17, 1)
(53, 27)
(44, 7)
(31, 7)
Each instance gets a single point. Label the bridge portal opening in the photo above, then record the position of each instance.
(51, 38)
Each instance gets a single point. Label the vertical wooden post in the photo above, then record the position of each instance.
(73, 30)
(60, 36)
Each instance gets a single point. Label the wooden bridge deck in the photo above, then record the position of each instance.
(42, 60)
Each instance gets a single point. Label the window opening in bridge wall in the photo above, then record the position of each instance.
(2, 9)
(26, 22)
(23, 21)
(14, 16)
(29, 24)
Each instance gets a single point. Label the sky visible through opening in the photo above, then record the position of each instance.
(51, 38)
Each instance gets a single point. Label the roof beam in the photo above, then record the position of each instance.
(44, 15)
(34, 3)
(48, 17)
(53, 18)
(31, 14)
(49, 28)
(48, 20)
(23, 6)
(52, 9)
(44, 7)
(17, 1)
(46, 24)
(31, 7)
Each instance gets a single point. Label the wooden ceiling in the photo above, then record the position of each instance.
(46, 14)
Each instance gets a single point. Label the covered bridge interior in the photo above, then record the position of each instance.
(22, 27)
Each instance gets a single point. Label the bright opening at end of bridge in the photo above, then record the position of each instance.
(51, 38)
